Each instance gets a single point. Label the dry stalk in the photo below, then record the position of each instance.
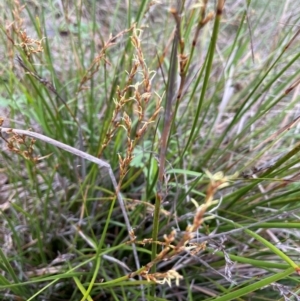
(140, 96)
(28, 45)
(217, 181)
(19, 135)
(95, 65)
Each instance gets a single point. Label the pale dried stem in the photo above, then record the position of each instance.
(83, 155)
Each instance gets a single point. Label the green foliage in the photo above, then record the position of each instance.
(149, 150)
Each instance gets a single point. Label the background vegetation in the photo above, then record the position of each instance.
(149, 150)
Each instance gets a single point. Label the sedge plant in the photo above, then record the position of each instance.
(149, 150)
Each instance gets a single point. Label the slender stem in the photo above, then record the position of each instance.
(81, 154)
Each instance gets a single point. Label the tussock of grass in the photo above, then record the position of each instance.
(149, 151)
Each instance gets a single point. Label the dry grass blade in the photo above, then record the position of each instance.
(83, 155)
